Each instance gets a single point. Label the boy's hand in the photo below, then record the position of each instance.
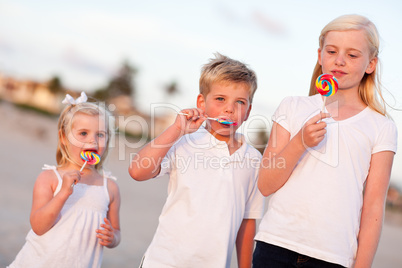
(313, 131)
(106, 235)
(190, 122)
(70, 178)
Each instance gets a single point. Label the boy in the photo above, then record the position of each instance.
(213, 199)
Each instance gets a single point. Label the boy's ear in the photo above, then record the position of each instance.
(201, 102)
(248, 112)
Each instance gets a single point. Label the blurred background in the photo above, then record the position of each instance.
(143, 58)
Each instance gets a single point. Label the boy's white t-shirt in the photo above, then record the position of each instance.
(317, 212)
(210, 192)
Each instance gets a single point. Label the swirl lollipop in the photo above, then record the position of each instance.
(326, 85)
(89, 157)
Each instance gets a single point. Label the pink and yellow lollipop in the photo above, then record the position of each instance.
(326, 85)
(90, 157)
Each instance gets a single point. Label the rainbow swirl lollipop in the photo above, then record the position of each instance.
(326, 85)
(223, 121)
(89, 157)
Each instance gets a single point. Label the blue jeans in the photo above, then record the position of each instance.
(267, 256)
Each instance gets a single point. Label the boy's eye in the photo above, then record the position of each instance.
(220, 99)
(241, 102)
(352, 56)
(331, 52)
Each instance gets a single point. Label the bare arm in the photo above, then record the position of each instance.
(46, 208)
(245, 243)
(146, 164)
(282, 149)
(373, 207)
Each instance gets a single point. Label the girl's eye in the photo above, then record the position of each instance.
(101, 135)
(83, 133)
(352, 56)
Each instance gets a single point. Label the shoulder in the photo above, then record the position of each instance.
(112, 184)
(383, 122)
(47, 178)
(252, 152)
(200, 139)
(295, 104)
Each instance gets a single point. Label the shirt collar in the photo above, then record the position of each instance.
(202, 138)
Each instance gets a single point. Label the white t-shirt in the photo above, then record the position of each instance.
(210, 192)
(317, 212)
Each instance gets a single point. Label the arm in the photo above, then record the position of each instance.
(282, 149)
(110, 235)
(245, 243)
(46, 208)
(146, 164)
(373, 207)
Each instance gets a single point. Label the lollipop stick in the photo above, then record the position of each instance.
(83, 166)
(216, 119)
(323, 105)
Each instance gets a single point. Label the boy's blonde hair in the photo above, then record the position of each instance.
(224, 69)
(370, 85)
(66, 120)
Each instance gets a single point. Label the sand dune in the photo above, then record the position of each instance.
(28, 140)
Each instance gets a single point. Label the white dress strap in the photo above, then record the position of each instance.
(49, 167)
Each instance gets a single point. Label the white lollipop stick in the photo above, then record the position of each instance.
(83, 165)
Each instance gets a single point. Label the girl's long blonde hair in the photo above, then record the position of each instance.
(370, 90)
(66, 120)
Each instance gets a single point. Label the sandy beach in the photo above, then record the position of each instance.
(28, 140)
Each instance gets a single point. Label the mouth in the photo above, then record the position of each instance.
(90, 150)
(226, 121)
(90, 156)
(337, 73)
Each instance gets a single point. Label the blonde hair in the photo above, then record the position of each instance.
(64, 126)
(370, 85)
(224, 69)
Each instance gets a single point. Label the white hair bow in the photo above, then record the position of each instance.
(70, 100)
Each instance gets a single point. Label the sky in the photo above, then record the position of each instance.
(85, 42)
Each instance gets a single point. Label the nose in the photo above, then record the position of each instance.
(93, 140)
(340, 61)
(229, 108)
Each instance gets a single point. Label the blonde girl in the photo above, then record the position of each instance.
(327, 201)
(74, 214)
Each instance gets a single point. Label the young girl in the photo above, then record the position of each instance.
(317, 216)
(74, 214)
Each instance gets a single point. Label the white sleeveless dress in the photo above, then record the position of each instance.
(72, 241)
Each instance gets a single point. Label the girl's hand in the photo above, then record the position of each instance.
(106, 235)
(70, 178)
(190, 122)
(313, 131)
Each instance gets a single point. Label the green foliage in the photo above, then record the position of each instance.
(122, 83)
(55, 85)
